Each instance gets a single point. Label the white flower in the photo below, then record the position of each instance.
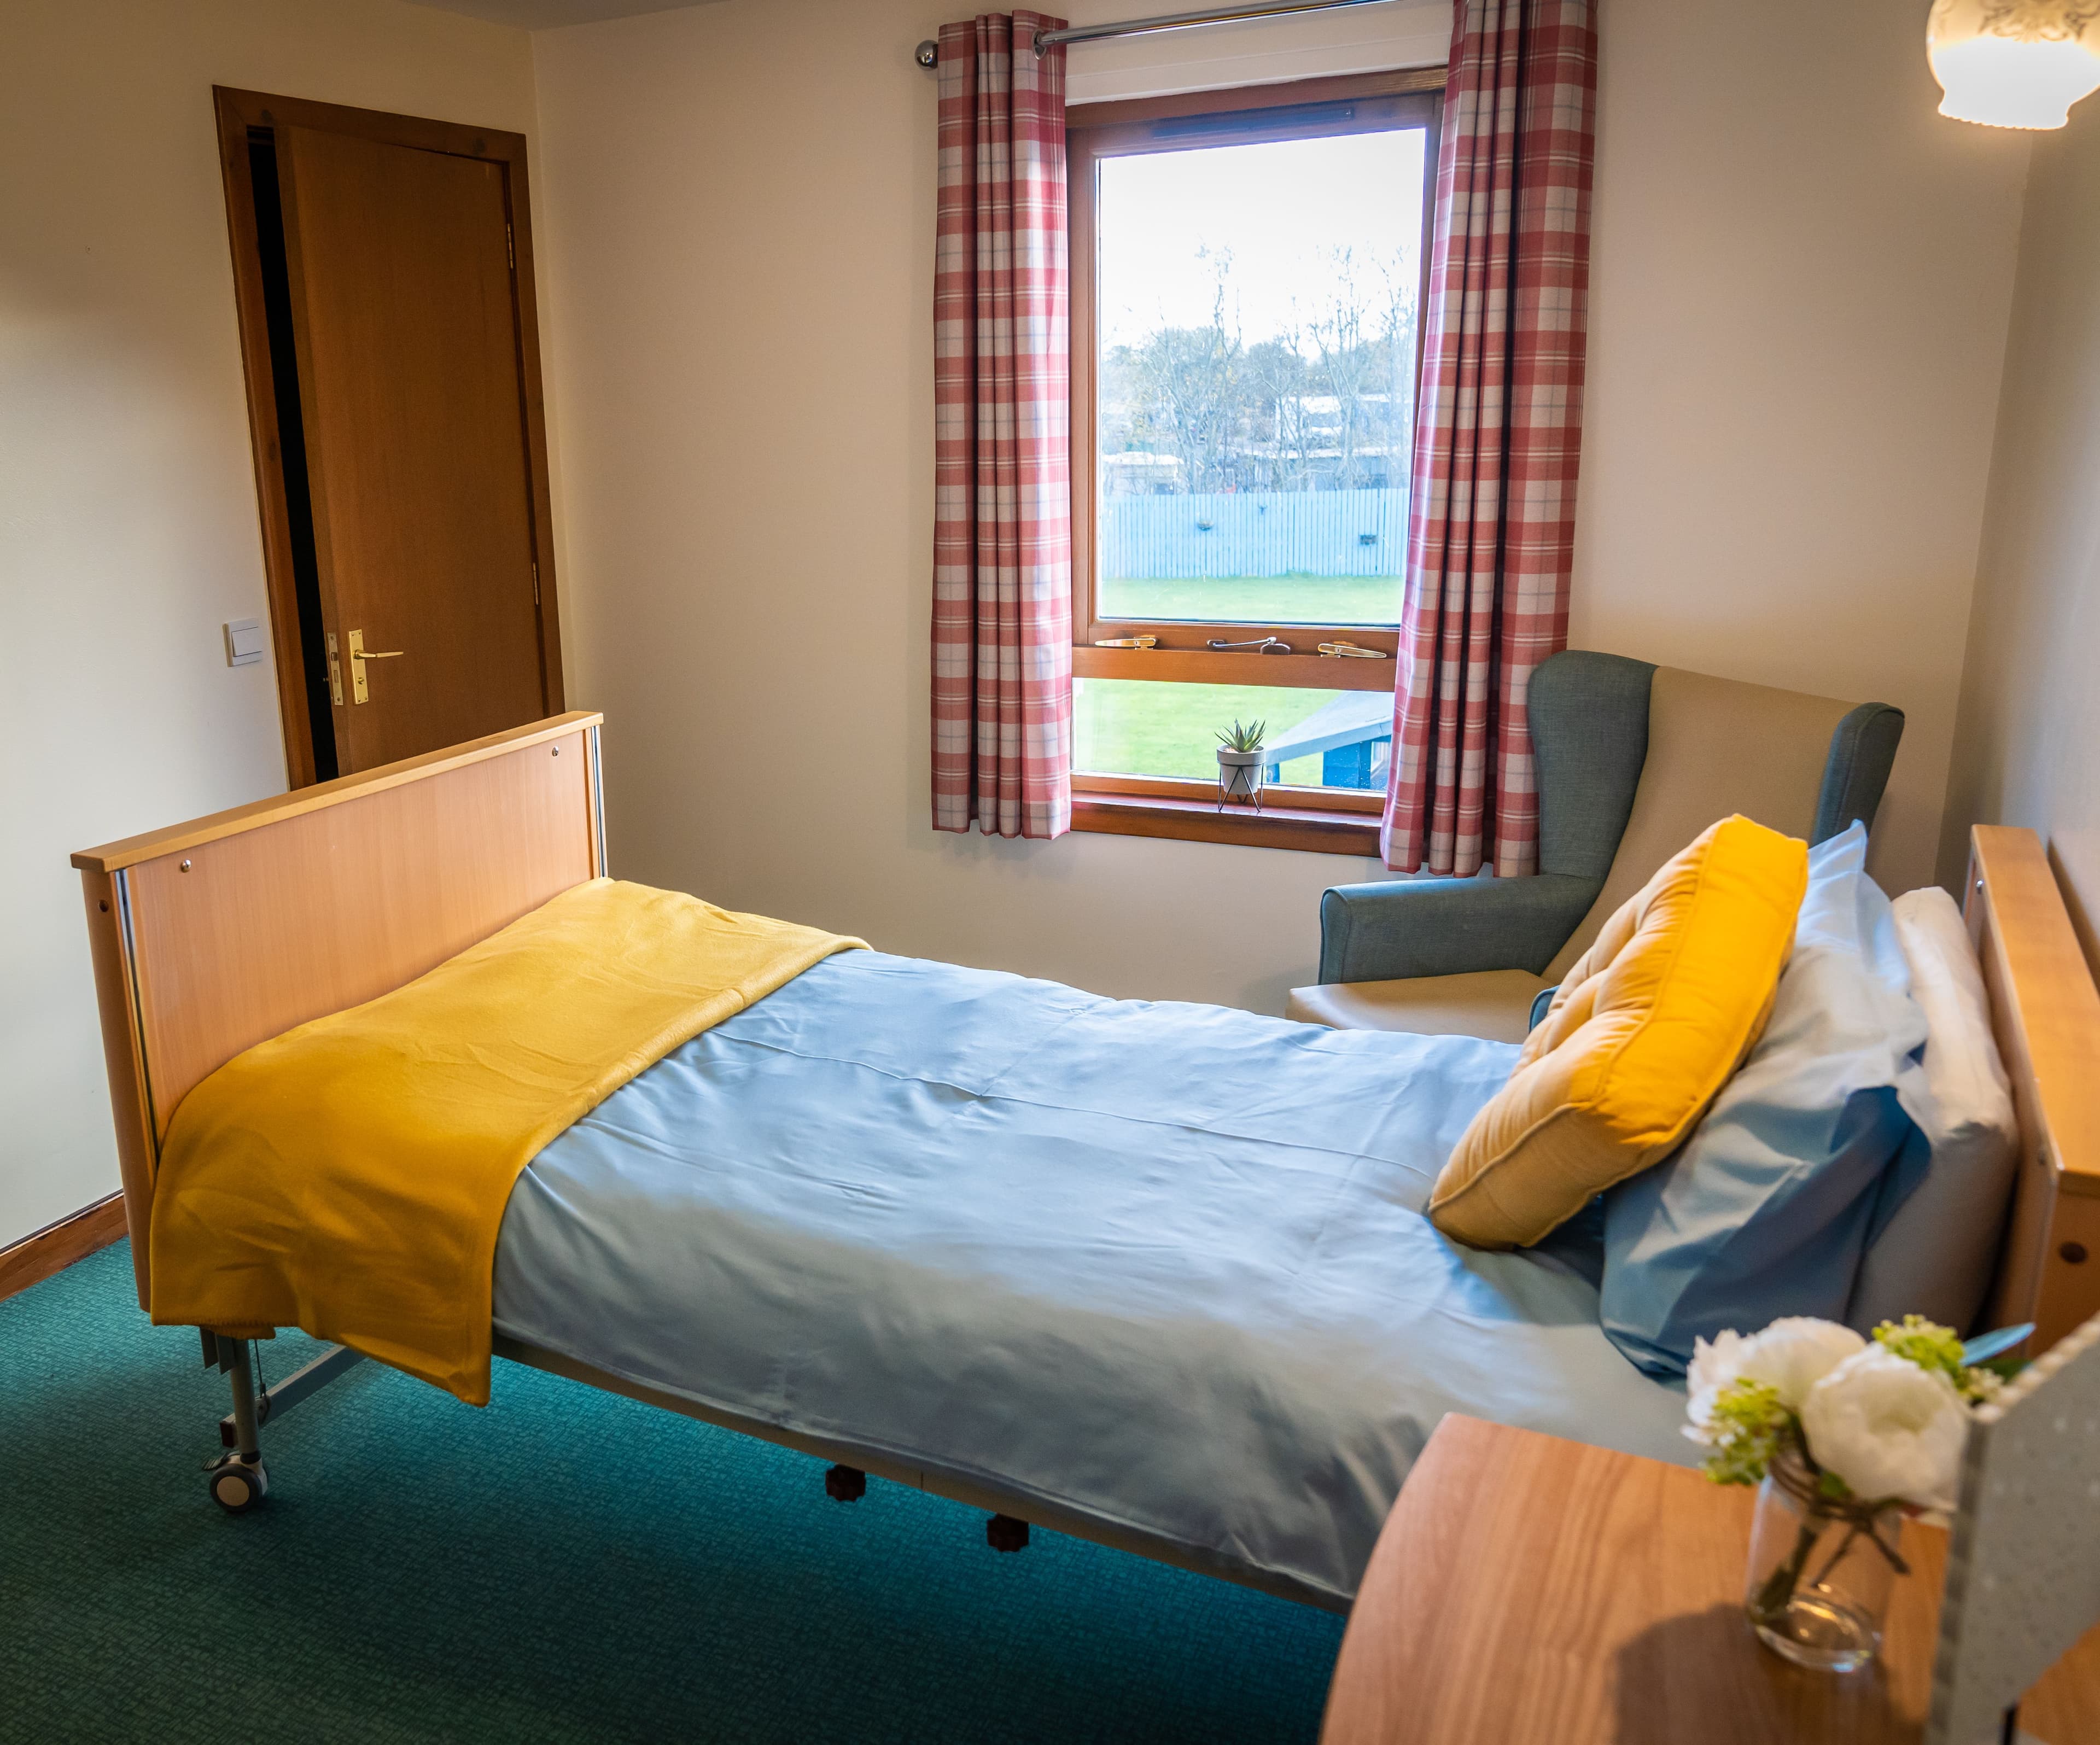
(1791, 1355)
(1795, 1353)
(1890, 1429)
(1715, 1365)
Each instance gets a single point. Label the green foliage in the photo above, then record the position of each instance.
(1925, 1343)
(1243, 739)
(1747, 1426)
(1936, 1348)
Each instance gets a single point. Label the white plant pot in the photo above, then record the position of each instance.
(1240, 775)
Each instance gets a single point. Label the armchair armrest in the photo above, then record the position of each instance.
(1448, 926)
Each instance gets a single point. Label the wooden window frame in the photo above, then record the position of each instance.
(1337, 820)
(240, 112)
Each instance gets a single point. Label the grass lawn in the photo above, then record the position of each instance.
(1139, 727)
(1336, 599)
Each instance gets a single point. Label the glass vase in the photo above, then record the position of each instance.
(1820, 1571)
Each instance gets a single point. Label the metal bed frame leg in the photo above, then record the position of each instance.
(238, 1478)
(273, 1402)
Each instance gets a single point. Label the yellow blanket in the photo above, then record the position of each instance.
(350, 1177)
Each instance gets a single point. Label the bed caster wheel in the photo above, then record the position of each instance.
(237, 1485)
(846, 1484)
(1004, 1533)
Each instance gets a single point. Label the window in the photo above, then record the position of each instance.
(1247, 271)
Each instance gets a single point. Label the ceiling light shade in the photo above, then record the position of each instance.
(2013, 63)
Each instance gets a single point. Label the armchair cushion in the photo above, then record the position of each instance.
(1496, 1003)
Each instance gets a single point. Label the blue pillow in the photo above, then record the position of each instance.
(1768, 1208)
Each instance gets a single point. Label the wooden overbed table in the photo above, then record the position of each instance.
(1531, 1591)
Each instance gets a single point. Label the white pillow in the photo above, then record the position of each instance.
(1935, 1255)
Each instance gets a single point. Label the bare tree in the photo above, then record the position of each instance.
(1327, 404)
(1189, 390)
(1279, 436)
(1400, 278)
(1345, 364)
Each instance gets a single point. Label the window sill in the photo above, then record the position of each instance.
(1314, 832)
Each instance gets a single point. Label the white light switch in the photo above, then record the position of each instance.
(244, 642)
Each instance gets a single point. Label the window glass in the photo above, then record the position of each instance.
(1256, 318)
(1141, 727)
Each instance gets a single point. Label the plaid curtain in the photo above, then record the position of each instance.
(1002, 471)
(1492, 528)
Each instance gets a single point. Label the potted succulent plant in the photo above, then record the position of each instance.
(1241, 761)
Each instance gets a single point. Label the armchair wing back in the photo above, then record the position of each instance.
(1634, 760)
(1794, 762)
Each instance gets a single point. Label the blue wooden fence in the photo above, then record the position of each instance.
(1255, 533)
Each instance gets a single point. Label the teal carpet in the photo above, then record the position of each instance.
(564, 1566)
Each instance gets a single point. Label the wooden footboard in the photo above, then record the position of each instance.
(2046, 1013)
(218, 934)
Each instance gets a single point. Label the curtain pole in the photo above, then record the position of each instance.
(1045, 40)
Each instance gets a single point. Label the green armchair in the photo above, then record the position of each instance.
(1634, 761)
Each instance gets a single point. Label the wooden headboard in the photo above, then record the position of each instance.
(220, 933)
(2046, 1012)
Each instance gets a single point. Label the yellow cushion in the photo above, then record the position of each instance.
(1648, 1027)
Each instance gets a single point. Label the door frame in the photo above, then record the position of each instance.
(241, 112)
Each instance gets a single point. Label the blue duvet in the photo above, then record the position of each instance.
(1162, 1265)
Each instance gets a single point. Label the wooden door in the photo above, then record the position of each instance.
(406, 321)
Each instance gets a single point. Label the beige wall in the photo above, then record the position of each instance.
(1803, 283)
(1802, 278)
(739, 205)
(2029, 734)
(128, 528)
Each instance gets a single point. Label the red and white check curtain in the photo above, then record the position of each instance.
(1002, 410)
(1492, 529)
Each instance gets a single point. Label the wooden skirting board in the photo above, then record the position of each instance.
(57, 1246)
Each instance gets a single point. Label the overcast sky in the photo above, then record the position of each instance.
(1281, 207)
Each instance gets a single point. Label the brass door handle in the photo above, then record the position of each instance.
(358, 654)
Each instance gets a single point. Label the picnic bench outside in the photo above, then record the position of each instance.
(1353, 736)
